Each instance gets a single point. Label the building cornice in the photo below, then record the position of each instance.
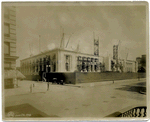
(10, 57)
(58, 49)
(42, 53)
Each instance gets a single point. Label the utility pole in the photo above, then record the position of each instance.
(78, 46)
(70, 37)
(62, 40)
(118, 50)
(60, 32)
(68, 40)
(93, 35)
(62, 43)
(39, 44)
(30, 49)
(118, 42)
(94, 41)
(16, 80)
(127, 54)
(98, 46)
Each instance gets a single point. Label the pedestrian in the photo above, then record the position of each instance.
(31, 88)
(48, 85)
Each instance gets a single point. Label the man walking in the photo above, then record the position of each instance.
(48, 85)
(47, 77)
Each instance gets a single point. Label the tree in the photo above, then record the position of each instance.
(143, 61)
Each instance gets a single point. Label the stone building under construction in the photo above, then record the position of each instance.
(62, 60)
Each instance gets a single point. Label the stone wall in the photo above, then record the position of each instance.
(80, 77)
(97, 77)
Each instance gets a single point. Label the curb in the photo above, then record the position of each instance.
(107, 82)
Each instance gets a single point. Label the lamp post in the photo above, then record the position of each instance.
(16, 81)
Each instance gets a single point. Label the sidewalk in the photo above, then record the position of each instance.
(72, 101)
(107, 82)
(24, 87)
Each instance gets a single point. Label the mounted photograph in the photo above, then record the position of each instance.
(74, 60)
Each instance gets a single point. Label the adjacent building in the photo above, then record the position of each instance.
(9, 41)
(10, 37)
(141, 63)
(120, 65)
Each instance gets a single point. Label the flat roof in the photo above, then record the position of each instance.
(58, 49)
(131, 60)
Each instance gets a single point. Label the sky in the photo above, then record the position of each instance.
(108, 23)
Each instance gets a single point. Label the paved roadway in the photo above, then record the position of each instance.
(82, 100)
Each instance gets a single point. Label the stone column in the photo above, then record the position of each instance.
(42, 64)
(98, 68)
(26, 68)
(51, 65)
(38, 65)
(30, 67)
(124, 66)
(35, 67)
(46, 68)
(79, 66)
(85, 66)
(93, 67)
(89, 67)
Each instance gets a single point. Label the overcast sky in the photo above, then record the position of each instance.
(109, 23)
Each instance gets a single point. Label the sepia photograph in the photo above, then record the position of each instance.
(74, 60)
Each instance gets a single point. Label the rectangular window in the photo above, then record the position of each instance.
(6, 29)
(6, 48)
(7, 65)
(6, 12)
(37, 67)
(67, 63)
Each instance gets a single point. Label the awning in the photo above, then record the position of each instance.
(9, 74)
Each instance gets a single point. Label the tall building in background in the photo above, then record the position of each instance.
(10, 37)
(96, 47)
(138, 59)
(141, 63)
(9, 31)
(115, 52)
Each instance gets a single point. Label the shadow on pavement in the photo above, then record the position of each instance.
(28, 93)
(142, 84)
(138, 87)
(24, 110)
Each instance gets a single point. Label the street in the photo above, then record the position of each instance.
(81, 100)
